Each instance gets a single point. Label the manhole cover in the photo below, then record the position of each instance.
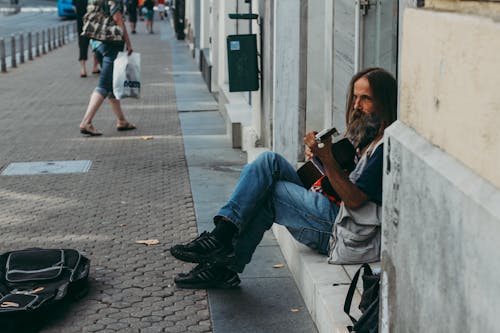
(48, 167)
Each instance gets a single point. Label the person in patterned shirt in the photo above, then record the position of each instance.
(106, 53)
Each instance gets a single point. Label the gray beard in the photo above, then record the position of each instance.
(363, 129)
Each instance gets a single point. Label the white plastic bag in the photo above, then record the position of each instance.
(127, 75)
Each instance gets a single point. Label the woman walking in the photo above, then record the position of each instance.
(83, 41)
(132, 14)
(149, 14)
(106, 53)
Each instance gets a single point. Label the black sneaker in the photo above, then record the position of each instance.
(208, 276)
(204, 249)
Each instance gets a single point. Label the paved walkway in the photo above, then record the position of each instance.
(153, 183)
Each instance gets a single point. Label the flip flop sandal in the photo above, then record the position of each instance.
(127, 127)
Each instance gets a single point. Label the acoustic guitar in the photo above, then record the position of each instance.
(343, 152)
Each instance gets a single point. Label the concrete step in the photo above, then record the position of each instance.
(323, 286)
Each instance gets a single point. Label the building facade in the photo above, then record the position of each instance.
(441, 181)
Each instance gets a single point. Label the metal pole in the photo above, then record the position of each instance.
(2, 55)
(49, 42)
(21, 48)
(30, 46)
(13, 51)
(250, 32)
(61, 37)
(37, 43)
(44, 49)
(54, 38)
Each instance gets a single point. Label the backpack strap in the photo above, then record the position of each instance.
(350, 292)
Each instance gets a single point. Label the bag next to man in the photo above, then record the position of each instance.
(32, 280)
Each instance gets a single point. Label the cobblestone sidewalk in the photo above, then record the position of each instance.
(137, 188)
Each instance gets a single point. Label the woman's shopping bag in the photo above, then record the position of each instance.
(127, 75)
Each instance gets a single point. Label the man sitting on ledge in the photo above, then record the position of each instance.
(270, 191)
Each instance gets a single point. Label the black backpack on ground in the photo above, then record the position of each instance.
(369, 304)
(33, 280)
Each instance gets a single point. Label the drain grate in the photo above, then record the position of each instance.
(48, 167)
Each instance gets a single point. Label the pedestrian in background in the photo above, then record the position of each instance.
(83, 41)
(161, 9)
(140, 5)
(149, 14)
(106, 53)
(132, 14)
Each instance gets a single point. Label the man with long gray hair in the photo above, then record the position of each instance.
(270, 191)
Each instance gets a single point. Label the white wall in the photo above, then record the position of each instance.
(316, 71)
(286, 78)
(441, 236)
(441, 221)
(343, 57)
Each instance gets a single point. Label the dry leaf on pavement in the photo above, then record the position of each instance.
(279, 265)
(147, 137)
(148, 241)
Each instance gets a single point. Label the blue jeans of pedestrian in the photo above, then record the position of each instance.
(106, 54)
(270, 191)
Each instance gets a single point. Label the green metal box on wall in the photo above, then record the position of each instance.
(242, 62)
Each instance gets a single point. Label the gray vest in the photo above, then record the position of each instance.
(356, 233)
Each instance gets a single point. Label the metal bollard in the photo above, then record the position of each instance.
(30, 46)
(59, 36)
(37, 43)
(54, 39)
(49, 42)
(3, 63)
(13, 51)
(63, 33)
(44, 49)
(21, 48)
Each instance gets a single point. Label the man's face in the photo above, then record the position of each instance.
(363, 97)
(364, 122)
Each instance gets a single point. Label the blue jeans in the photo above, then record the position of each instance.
(106, 54)
(270, 191)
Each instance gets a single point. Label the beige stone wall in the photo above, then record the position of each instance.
(487, 8)
(450, 85)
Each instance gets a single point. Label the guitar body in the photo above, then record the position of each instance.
(308, 174)
(343, 152)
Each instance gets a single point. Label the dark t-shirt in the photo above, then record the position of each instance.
(149, 4)
(81, 9)
(370, 180)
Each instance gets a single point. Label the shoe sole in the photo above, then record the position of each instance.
(89, 133)
(206, 259)
(209, 285)
(206, 286)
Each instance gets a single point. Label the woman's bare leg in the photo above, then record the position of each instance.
(120, 116)
(95, 102)
(83, 70)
